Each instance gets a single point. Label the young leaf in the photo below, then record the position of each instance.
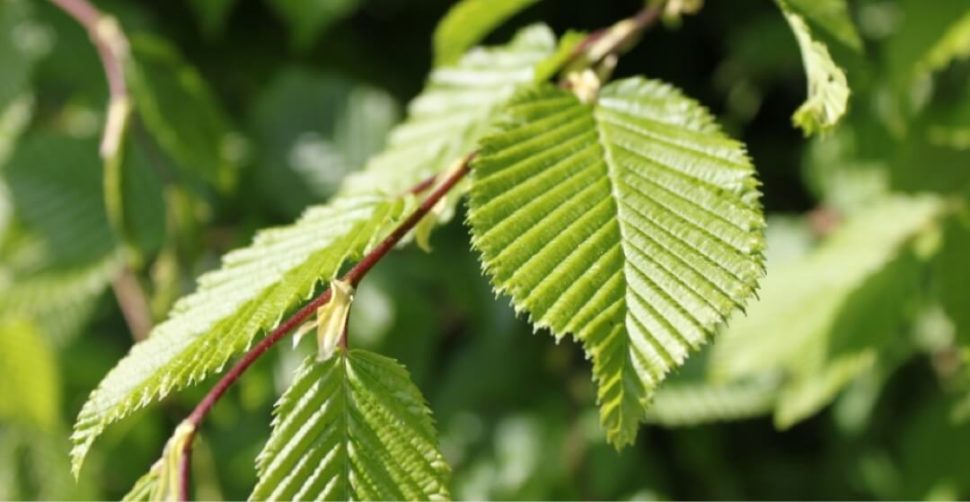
(445, 122)
(332, 319)
(862, 268)
(632, 223)
(468, 22)
(162, 481)
(247, 296)
(352, 427)
(828, 89)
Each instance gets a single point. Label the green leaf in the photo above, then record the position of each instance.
(16, 59)
(212, 14)
(695, 403)
(470, 21)
(180, 111)
(29, 372)
(928, 39)
(446, 121)
(831, 16)
(60, 253)
(254, 288)
(310, 18)
(633, 224)
(163, 480)
(865, 266)
(953, 275)
(828, 89)
(353, 427)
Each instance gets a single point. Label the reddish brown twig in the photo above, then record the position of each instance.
(353, 276)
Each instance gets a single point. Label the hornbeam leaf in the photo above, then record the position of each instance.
(632, 223)
(828, 88)
(352, 427)
(445, 122)
(254, 288)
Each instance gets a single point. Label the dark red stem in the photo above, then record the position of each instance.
(353, 276)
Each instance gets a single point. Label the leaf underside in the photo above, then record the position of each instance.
(352, 427)
(633, 224)
(254, 288)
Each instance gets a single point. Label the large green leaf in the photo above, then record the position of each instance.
(468, 22)
(828, 88)
(864, 267)
(353, 427)
(254, 288)
(445, 122)
(633, 224)
(180, 111)
(59, 254)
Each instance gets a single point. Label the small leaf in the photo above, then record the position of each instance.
(828, 88)
(632, 223)
(468, 22)
(332, 319)
(163, 480)
(352, 427)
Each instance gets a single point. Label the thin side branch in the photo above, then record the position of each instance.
(112, 47)
(353, 276)
(133, 303)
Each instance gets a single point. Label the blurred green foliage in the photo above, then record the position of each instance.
(860, 348)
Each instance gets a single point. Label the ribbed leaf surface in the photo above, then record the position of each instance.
(633, 224)
(447, 119)
(353, 427)
(247, 296)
